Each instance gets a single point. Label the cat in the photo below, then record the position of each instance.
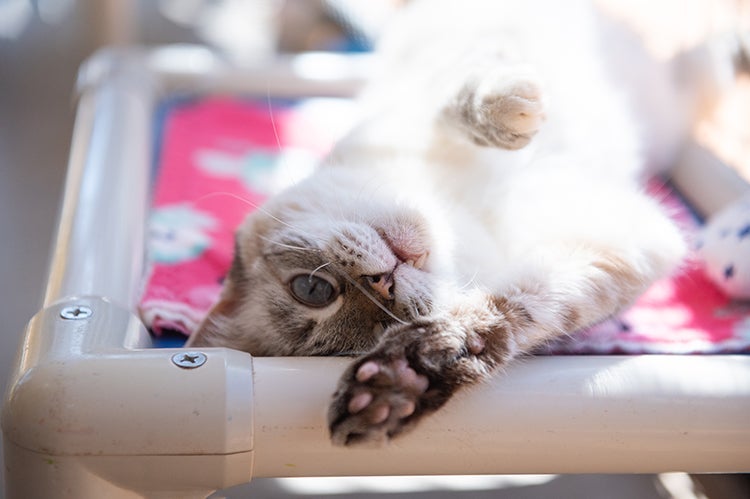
(489, 201)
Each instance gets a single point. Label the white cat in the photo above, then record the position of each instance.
(487, 203)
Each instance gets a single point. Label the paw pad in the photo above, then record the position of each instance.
(377, 399)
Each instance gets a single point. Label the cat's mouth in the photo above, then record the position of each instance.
(409, 257)
(416, 261)
(407, 246)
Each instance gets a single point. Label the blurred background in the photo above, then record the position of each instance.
(42, 44)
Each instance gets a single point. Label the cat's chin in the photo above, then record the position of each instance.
(415, 291)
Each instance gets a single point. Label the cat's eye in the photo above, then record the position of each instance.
(312, 290)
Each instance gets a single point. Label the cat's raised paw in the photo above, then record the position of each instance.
(499, 109)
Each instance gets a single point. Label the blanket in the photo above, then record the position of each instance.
(220, 158)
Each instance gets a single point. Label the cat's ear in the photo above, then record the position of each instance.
(216, 327)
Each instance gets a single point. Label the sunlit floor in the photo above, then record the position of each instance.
(37, 74)
(465, 487)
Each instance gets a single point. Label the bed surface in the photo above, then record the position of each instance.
(219, 158)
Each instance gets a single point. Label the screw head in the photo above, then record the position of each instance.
(76, 312)
(189, 360)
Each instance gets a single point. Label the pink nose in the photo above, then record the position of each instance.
(382, 284)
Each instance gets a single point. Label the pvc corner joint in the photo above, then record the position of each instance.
(82, 388)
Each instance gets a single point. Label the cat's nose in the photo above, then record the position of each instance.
(382, 284)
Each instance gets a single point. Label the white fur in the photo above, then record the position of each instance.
(498, 213)
(559, 224)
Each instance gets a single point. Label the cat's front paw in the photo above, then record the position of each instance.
(414, 372)
(378, 401)
(502, 109)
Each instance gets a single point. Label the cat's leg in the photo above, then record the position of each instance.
(418, 367)
(500, 106)
(496, 104)
(557, 287)
(414, 370)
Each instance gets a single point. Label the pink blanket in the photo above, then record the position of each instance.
(220, 158)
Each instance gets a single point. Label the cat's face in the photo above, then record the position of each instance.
(316, 276)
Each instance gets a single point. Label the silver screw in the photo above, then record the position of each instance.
(76, 312)
(189, 360)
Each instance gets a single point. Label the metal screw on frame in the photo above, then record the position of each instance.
(76, 312)
(189, 360)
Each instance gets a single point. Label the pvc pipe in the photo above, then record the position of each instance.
(706, 181)
(85, 411)
(599, 414)
(92, 410)
(101, 231)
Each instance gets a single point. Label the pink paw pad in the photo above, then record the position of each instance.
(359, 402)
(380, 414)
(399, 376)
(409, 378)
(475, 345)
(406, 409)
(367, 371)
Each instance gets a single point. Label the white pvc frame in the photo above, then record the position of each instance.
(92, 411)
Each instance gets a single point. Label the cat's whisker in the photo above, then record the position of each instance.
(255, 206)
(288, 246)
(290, 180)
(270, 115)
(470, 281)
(312, 236)
(366, 192)
(369, 296)
(318, 268)
(227, 194)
